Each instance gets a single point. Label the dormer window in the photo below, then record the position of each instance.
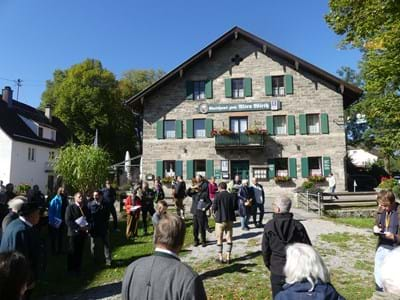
(40, 132)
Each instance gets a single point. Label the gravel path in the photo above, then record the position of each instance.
(246, 242)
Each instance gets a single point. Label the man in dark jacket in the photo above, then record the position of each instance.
(259, 200)
(22, 236)
(109, 196)
(162, 275)
(280, 232)
(224, 207)
(148, 197)
(99, 225)
(200, 204)
(77, 218)
(179, 195)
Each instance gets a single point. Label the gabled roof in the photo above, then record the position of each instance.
(350, 92)
(18, 130)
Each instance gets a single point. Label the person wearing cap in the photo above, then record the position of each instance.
(21, 235)
(15, 206)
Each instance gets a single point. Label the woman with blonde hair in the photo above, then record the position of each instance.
(306, 275)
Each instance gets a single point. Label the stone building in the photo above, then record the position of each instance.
(244, 106)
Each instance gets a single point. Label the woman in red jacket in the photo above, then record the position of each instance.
(132, 207)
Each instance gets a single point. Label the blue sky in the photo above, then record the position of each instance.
(40, 36)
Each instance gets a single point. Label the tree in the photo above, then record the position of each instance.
(374, 27)
(84, 168)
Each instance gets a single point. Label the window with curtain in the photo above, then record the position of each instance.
(281, 167)
(238, 125)
(199, 128)
(169, 129)
(238, 88)
(280, 127)
(199, 90)
(313, 123)
(200, 167)
(278, 86)
(169, 168)
(315, 166)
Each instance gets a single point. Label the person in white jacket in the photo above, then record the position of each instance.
(332, 185)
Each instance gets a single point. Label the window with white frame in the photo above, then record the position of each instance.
(238, 88)
(200, 167)
(31, 154)
(312, 123)
(260, 173)
(281, 167)
(280, 127)
(315, 166)
(169, 129)
(199, 90)
(199, 128)
(169, 168)
(278, 86)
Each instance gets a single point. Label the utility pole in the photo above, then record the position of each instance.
(18, 82)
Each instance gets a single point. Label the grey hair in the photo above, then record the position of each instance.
(245, 182)
(390, 276)
(284, 203)
(303, 262)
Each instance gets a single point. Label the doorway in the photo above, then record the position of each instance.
(241, 168)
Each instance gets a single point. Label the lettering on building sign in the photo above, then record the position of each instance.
(205, 108)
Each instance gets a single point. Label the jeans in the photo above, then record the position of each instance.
(260, 207)
(244, 221)
(380, 255)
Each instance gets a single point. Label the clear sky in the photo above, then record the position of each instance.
(39, 36)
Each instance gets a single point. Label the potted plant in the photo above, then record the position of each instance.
(316, 178)
(222, 131)
(167, 180)
(256, 131)
(282, 179)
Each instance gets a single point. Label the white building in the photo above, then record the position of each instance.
(29, 139)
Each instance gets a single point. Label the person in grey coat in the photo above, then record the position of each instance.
(163, 275)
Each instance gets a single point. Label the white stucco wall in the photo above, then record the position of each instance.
(5, 157)
(26, 171)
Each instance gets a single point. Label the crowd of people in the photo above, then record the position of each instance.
(297, 271)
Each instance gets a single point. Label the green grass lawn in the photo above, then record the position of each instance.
(358, 222)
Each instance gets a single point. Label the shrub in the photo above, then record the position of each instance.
(282, 179)
(308, 185)
(388, 184)
(23, 188)
(167, 180)
(316, 178)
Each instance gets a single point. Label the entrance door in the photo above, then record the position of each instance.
(241, 168)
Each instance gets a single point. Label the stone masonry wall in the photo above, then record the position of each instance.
(310, 95)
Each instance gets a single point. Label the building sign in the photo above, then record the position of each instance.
(217, 173)
(206, 108)
(224, 165)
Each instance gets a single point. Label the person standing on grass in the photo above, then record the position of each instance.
(109, 196)
(259, 200)
(245, 203)
(388, 231)
(77, 218)
(56, 221)
(280, 232)
(163, 275)
(15, 206)
(158, 188)
(161, 210)
(148, 197)
(179, 196)
(224, 206)
(133, 206)
(99, 216)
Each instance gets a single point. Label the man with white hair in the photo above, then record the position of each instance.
(15, 206)
(390, 277)
(280, 232)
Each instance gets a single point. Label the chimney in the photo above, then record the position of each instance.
(7, 95)
(47, 113)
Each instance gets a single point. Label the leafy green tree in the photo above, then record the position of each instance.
(134, 81)
(374, 28)
(84, 168)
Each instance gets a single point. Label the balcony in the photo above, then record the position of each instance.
(240, 141)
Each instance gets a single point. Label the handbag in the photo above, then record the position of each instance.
(248, 202)
(201, 205)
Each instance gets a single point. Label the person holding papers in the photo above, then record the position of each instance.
(76, 220)
(133, 205)
(56, 222)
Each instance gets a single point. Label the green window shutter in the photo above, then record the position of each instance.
(324, 123)
(178, 168)
(189, 90)
(228, 88)
(160, 129)
(209, 127)
(189, 128)
(268, 85)
(303, 124)
(326, 165)
(209, 168)
(209, 89)
(271, 168)
(159, 168)
(304, 167)
(189, 169)
(248, 92)
(292, 167)
(178, 129)
(288, 84)
(291, 125)
(270, 125)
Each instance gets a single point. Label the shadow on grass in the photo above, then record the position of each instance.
(247, 256)
(233, 268)
(247, 235)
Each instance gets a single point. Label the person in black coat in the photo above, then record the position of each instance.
(148, 197)
(224, 207)
(22, 235)
(77, 218)
(200, 204)
(109, 196)
(245, 203)
(99, 225)
(280, 232)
